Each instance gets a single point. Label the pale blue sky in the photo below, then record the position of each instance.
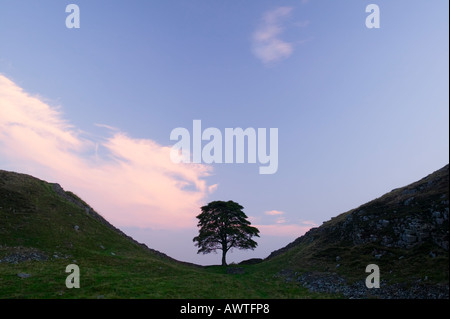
(359, 111)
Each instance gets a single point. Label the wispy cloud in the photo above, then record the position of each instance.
(274, 212)
(284, 229)
(132, 182)
(266, 42)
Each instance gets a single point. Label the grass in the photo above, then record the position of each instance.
(34, 218)
(130, 278)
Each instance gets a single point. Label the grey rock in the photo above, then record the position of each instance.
(335, 284)
(23, 275)
(21, 256)
(410, 231)
(410, 238)
(409, 191)
(386, 240)
(436, 214)
(384, 222)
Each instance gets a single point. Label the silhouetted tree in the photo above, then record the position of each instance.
(223, 225)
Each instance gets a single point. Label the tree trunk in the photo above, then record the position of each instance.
(224, 261)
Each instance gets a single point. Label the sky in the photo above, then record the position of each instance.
(359, 111)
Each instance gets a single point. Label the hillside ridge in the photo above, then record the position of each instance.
(404, 232)
(74, 199)
(416, 230)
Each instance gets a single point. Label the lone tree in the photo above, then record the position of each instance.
(223, 225)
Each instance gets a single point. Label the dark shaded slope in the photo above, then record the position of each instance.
(37, 214)
(405, 232)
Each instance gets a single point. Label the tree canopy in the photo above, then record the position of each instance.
(223, 225)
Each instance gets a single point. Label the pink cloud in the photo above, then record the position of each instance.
(267, 46)
(283, 229)
(274, 212)
(212, 188)
(134, 182)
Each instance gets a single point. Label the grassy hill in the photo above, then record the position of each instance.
(44, 228)
(405, 232)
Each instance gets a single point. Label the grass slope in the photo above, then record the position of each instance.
(42, 231)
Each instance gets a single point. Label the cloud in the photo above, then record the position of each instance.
(274, 212)
(131, 182)
(266, 43)
(280, 220)
(308, 223)
(212, 188)
(282, 229)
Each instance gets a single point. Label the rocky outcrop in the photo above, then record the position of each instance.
(332, 283)
(405, 232)
(404, 218)
(22, 254)
(400, 220)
